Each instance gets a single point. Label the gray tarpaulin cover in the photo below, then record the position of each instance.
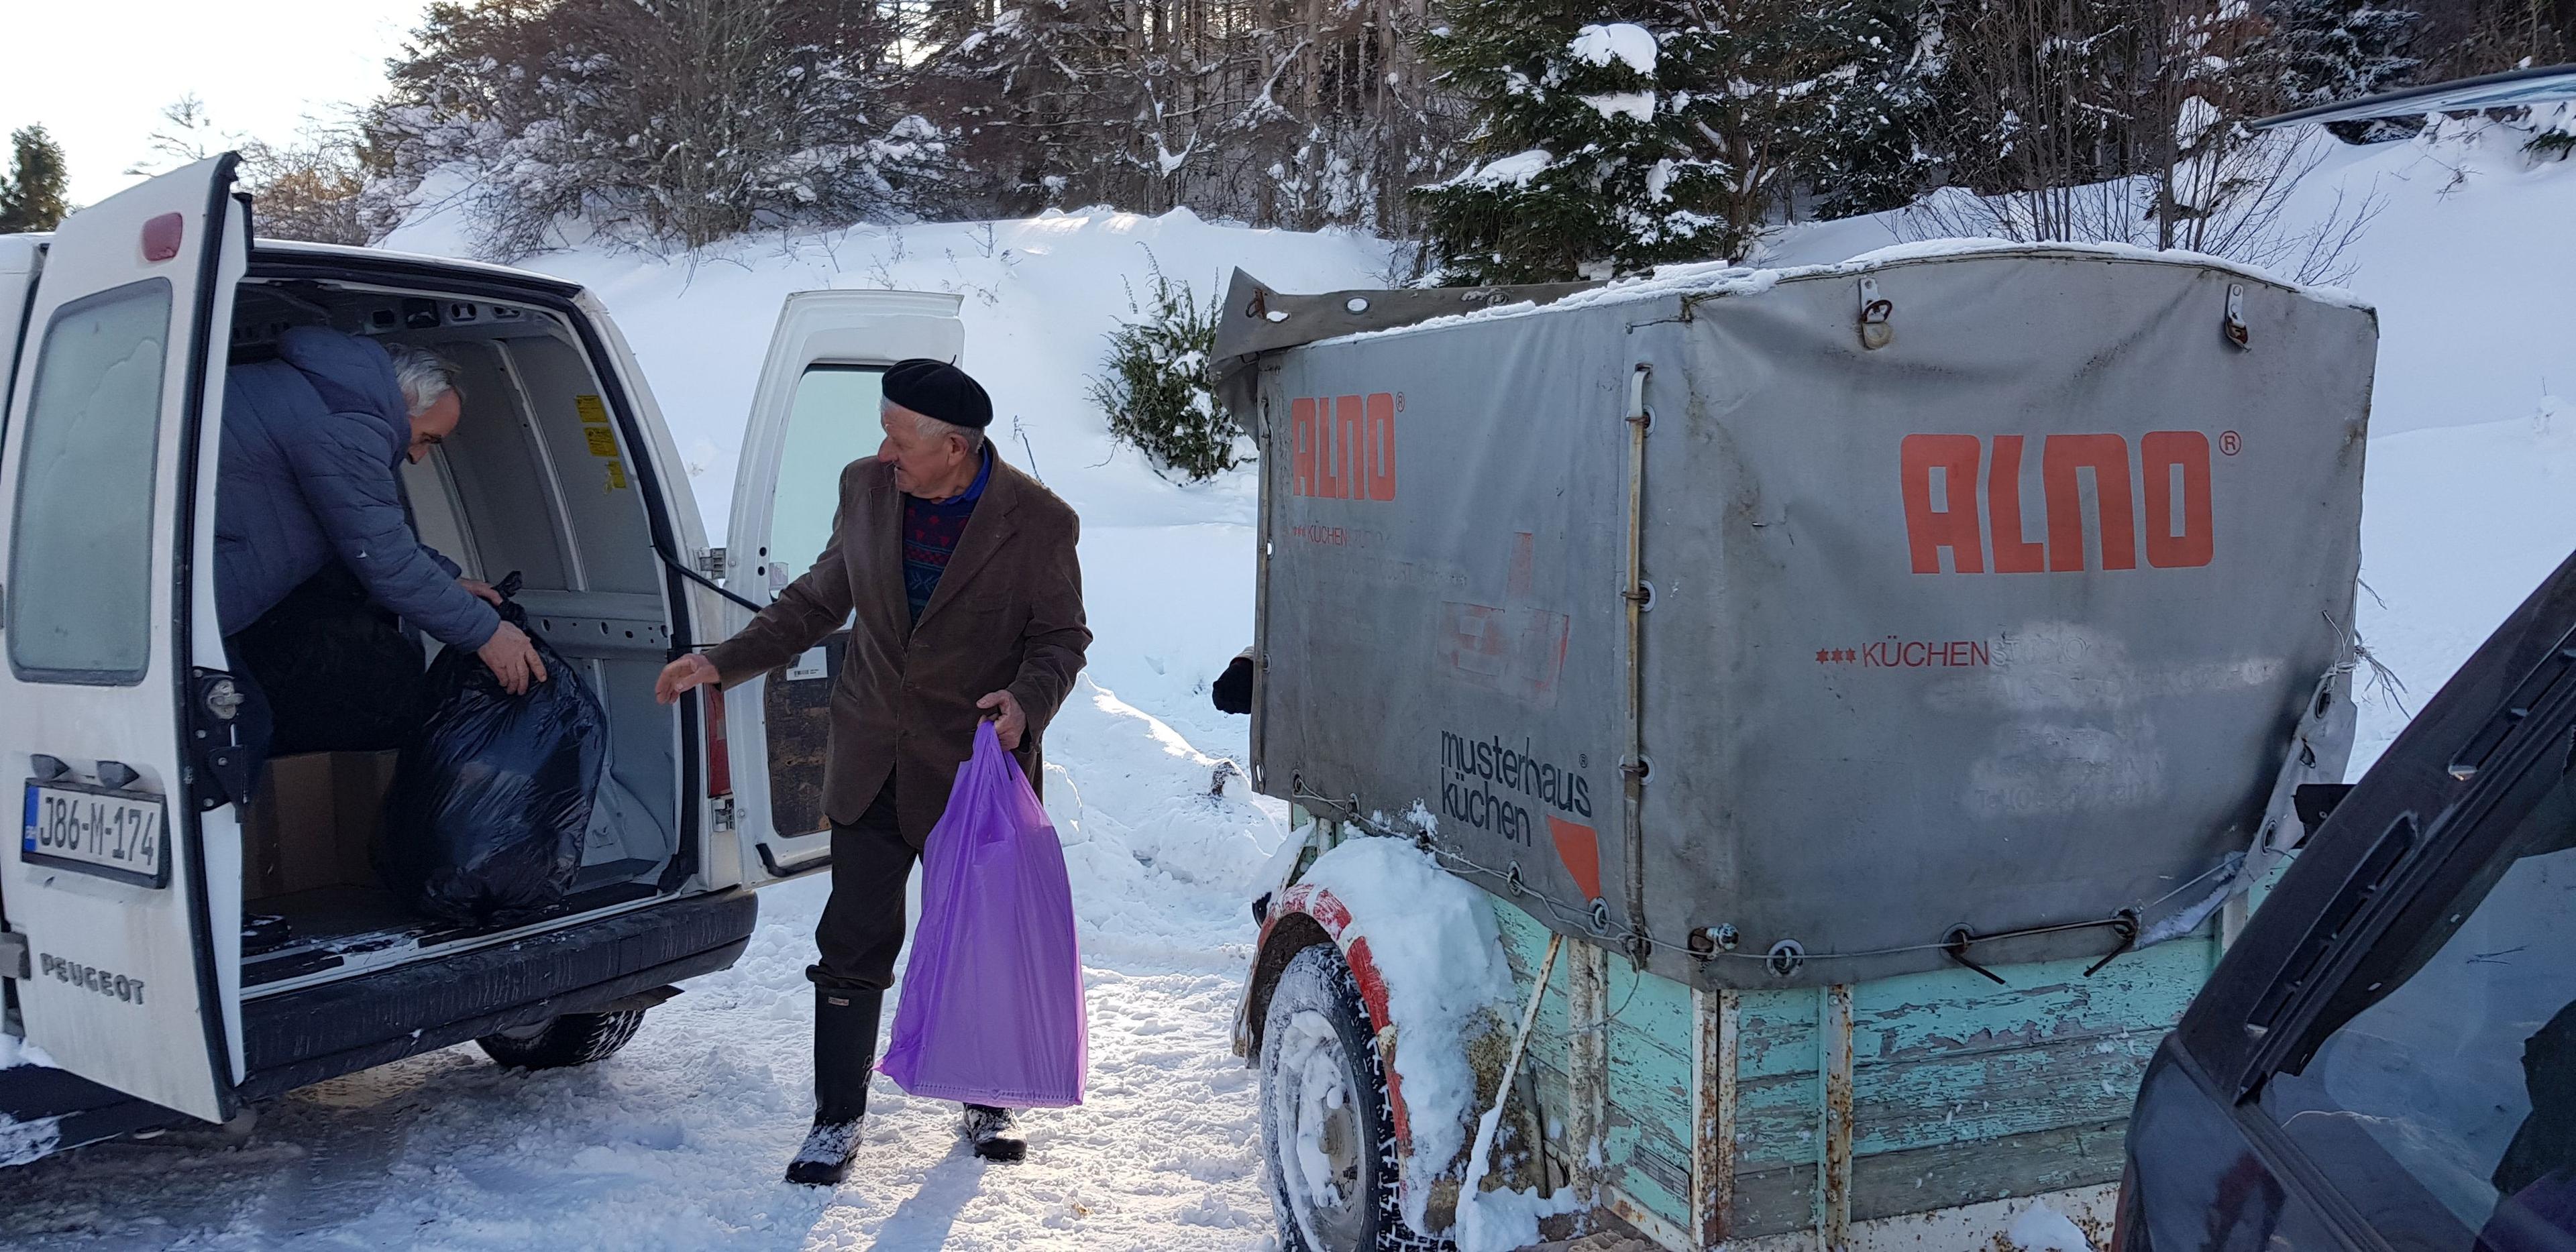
(2005, 624)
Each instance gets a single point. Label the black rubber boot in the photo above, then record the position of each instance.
(989, 1130)
(845, 1054)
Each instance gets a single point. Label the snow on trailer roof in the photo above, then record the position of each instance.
(1719, 279)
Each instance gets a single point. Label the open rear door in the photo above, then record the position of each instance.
(814, 413)
(127, 897)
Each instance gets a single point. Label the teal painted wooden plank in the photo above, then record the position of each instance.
(1962, 1090)
(1969, 1173)
(1649, 1091)
(1949, 1010)
(1773, 1201)
(1654, 1011)
(1993, 1095)
(1777, 1120)
(1651, 1168)
(1525, 948)
(1777, 1034)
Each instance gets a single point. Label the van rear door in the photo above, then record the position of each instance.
(126, 897)
(815, 412)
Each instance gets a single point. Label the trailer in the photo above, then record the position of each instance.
(1772, 752)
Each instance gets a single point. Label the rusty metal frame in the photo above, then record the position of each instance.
(1588, 1070)
(1636, 596)
(1716, 1018)
(1834, 1159)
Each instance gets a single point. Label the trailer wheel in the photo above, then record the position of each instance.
(561, 1042)
(1326, 1133)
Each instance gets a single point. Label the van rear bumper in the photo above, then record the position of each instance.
(339, 1028)
(306, 1036)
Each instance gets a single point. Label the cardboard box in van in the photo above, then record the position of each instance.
(315, 822)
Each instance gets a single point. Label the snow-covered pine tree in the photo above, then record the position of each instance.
(2322, 51)
(1586, 163)
(1158, 396)
(1830, 93)
(655, 122)
(32, 195)
(1276, 112)
(1867, 143)
(1610, 147)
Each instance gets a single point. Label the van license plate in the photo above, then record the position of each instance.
(113, 834)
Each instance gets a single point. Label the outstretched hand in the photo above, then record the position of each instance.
(693, 670)
(1009, 722)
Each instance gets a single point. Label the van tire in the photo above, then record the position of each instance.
(562, 1042)
(1317, 1029)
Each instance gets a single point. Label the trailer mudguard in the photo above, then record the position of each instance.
(1428, 957)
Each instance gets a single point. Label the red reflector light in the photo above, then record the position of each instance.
(161, 236)
(719, 757)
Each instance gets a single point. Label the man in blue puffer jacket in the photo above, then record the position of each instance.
(312, 448)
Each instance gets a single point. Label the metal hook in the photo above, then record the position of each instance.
(1956, 944)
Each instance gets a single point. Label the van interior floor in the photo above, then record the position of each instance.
(330, 928)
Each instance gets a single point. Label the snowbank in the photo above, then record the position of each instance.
(1133, 803)
(2044, 1229)
(2457, 527)
(15, 1051)
(1040, 294)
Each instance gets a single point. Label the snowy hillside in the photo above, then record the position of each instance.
(1168, 569)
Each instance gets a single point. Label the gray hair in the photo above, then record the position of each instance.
(934, 427)
(424, 376)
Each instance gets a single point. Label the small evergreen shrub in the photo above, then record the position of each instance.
(1158, 395)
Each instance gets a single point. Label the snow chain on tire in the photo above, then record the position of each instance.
(1342, 990)
(569, 1040)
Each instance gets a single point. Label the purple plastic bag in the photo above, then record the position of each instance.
(992, 998)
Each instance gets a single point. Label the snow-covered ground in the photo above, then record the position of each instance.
(677, 1142)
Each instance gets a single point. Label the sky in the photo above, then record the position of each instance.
(96, 73)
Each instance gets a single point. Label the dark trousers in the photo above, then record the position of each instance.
(863, 923)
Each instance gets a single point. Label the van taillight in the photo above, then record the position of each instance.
(719, 759)
(162, 235)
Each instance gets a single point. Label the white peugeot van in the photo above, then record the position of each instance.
(179, 937)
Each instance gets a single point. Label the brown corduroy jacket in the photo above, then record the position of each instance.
(1007, 617)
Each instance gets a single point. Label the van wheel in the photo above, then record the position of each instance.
(1326, 1132)
(559, 1042)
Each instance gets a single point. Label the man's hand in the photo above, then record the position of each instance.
(1009, 723)
(693, 670)
(512, 659)
(481, 590)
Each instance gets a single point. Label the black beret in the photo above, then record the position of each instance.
(939, 390)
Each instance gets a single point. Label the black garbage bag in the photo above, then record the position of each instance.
(489, 804)
(339, 673)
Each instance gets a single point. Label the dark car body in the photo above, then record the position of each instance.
(2386, 1057)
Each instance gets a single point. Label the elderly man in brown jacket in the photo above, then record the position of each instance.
(961, 574)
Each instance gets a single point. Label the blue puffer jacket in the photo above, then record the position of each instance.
(313, 442)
